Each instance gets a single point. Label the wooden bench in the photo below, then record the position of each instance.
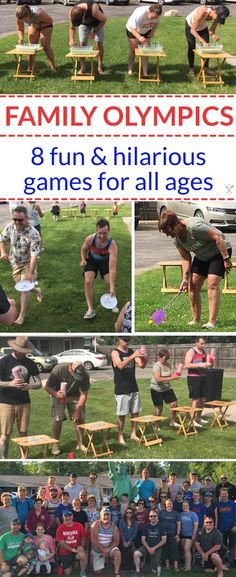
(92, 430)
(169, 263)
(33, 441)
(148, 427)
(227, 289)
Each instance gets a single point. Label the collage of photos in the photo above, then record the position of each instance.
(72, 46)
(117, 315)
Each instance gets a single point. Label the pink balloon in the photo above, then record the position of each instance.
(158, 316)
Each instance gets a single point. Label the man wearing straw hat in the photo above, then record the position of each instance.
(24, 242)
(18, 374)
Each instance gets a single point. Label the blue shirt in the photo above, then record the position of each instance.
(187, 523)
(61, 508)
(22, 507)
(145, 490)
(226, 515)
(198, 508)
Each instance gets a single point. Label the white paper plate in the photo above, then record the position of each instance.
(108, 301)
(24, 285)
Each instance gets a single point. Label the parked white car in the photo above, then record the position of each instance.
(218, 213)
(91, 360)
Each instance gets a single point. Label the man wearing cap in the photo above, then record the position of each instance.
(197, 29)
(14, 390)
(209, 543)
(105, 538)
(8, 312)
(73, 487)
(77, 386)
(22, 504)
(124, 361)
(71, 537)
(25, 248)
(208, 487)
(194, 481)
(10, 543)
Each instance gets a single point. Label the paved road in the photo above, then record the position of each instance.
(151, 246)
(59, 13)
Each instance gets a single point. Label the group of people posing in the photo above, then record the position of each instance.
(183, 523)
(90, 20)
(19, 374)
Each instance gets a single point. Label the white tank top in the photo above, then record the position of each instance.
(192, 17)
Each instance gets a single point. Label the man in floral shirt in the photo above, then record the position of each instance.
(24, 250)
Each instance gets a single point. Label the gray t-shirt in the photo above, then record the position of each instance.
(198, 241)
(165, 371)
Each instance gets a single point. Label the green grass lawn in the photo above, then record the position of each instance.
(179, 313)
(174, 67)
(101, 406)
(61, 281)
(109, 572)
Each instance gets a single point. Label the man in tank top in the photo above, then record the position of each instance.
(105, 539)
(90, 19)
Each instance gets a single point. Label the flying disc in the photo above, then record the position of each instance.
(158, 316)
(108, 302)
(24, 285)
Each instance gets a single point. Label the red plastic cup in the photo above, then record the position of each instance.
(71, 455)
(179, 369)
(60, 570)
(63, 388)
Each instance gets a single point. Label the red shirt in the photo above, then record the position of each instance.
(70, 535)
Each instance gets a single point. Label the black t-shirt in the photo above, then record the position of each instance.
(209, 540)
(88, 18)
(124, 379)
(12, 395)
(153, 534)
(80, 517)
(4, 303)
(61, 374)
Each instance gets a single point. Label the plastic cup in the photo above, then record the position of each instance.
(179, 369)
(16, 373)
(71, 455)
(63, 388)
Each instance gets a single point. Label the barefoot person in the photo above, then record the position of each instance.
(89, 17)
(98, 254)
(212, 259)
(24, 250)
(40, 27)
(140, 28)
(197, 29)
(14, 390)
(124, 361)
(74, 397)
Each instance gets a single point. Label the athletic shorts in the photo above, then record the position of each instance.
(130, 35)
(209, 563)
(98, 561)
(160, 397)
(197, 387)
(130, 403)
(22, 271)
(59, 409)
(171, 549)
(155, 559)
(85, 30)
(229, 538)
(96, 266)
(11, 413)
(68, 561)
(214, 265)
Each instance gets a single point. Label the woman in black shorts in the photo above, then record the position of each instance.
(212, 258)
(40, 28)
(161, 389)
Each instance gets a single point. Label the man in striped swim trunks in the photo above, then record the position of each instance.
(105, 539)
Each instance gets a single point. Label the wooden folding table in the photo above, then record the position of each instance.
(19, 57)
(220, 59)
(149, 53)
(83, 55)
(33, 441)
(219, 410)
(148, 427)
(186, 417)
(92, 430)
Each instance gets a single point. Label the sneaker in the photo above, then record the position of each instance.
(90, 314)
(197, 425)
(209, 326)
(115, 310)
(55, 449)
(83, 574)
(191, 323)
(204, 422)
(158, 571)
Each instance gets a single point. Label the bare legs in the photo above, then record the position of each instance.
(134, 43)
(213, 290)
(45, 38)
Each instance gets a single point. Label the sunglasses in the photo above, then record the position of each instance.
(208, 522)
(152, 516)
(151, 501)
(18, 219)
